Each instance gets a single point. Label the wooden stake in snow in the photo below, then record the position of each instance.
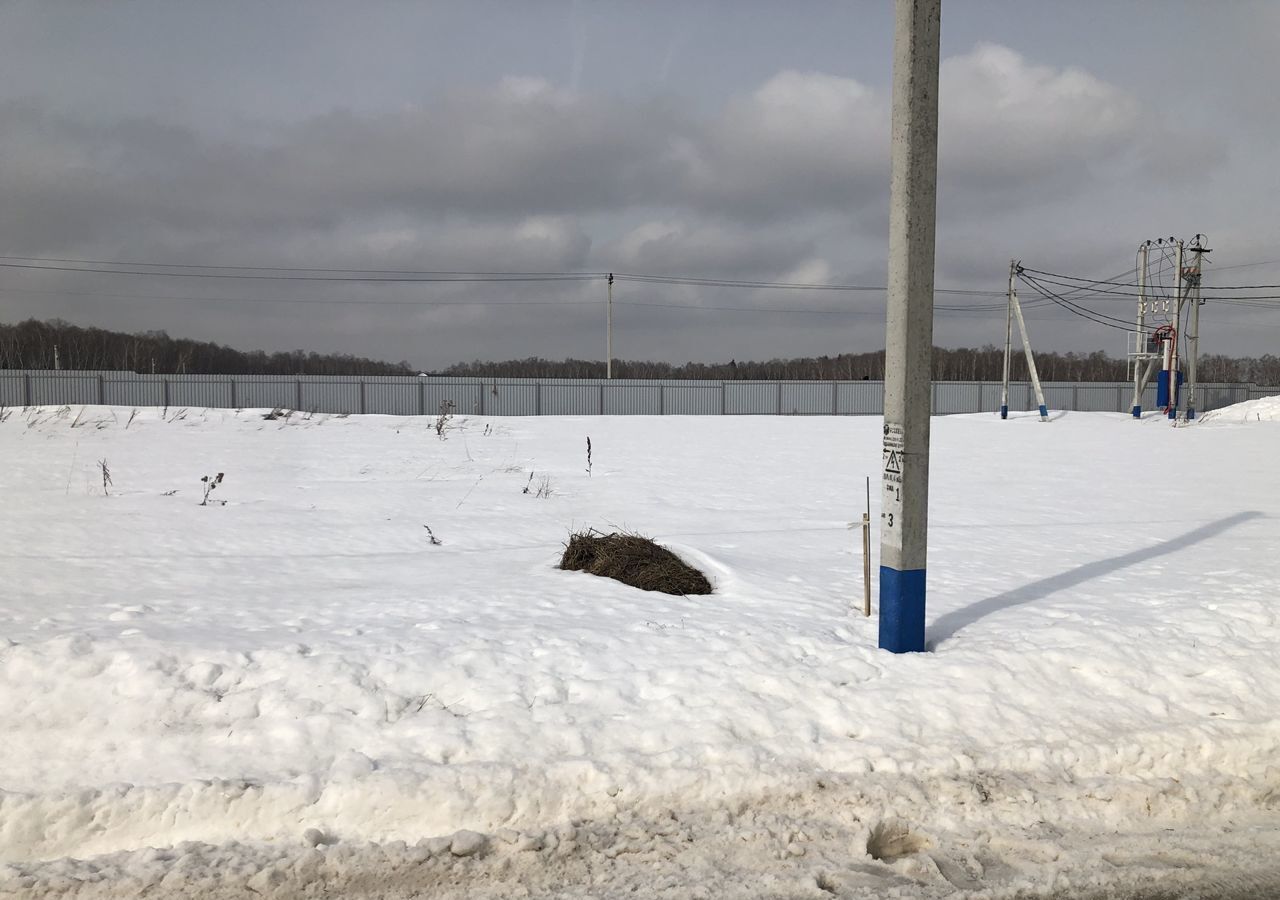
(866, 554)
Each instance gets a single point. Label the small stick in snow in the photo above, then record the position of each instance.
(72, 468)
(468, 493)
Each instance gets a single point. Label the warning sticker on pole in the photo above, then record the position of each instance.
(893, 463)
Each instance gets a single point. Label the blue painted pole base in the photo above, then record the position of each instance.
(902, 610)
(1004, 412)
(1137, 412)
(1191, 414)
(1044, 412)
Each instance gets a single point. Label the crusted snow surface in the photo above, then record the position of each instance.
(292, 690)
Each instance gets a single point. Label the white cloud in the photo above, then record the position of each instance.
(680, 247)
(799, 142)
(1006, 121)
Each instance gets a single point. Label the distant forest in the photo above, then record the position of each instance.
(963, 364)
(31, 345)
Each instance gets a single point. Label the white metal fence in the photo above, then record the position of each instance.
(407, 396)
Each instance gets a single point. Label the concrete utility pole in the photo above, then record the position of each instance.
(1015, 312)
(1179, 295)
(608, 338)
(909, 326)
(1008, 344)
(1026, 348)
(1140, 338)
(1193, 333)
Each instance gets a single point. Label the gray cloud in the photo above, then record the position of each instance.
(783, 179)
(800, 144)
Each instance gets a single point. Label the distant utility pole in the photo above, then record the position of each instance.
(1140, 352)
(1179, 296)
(1008, 345)
(1193, 277)
(608, 329)
(909, 325)
(1015, 312)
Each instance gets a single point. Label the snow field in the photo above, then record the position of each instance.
(285, 678)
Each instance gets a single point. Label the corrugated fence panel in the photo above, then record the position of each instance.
(399, 395)
(330, 396)
(203, 394)
(468, 398)
(258, 394)
(752, 398)
(991, 396)
(1096, 398)
(13, 389)
(394, 398)
(953, 397)
(1148, 398)
(570, 399)
(622, 399)
(860, 398)
(1216, 396)
(1059, 396)
(61, 390)
(510, 400)
(808, 398)
(1028, 397)
(149, 392)
(690, 400)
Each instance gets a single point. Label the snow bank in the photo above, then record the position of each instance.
(1263, 409)
(269, 684)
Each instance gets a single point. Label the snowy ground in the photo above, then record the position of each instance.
(297, 691)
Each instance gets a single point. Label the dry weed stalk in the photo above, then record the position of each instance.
(444, 417)
(210, 485)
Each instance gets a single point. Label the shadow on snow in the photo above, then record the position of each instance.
(947, 625)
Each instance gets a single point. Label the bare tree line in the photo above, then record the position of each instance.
(958, 364)
(56, 344)
(31, 345)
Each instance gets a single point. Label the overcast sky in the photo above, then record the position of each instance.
(729, 140)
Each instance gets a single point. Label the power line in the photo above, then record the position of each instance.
(1097, 289)
(410, 276)
(1152, 291)
(695, 281)
(1056, 278)
(368, 279)
(317, 273)
(1074, 309)
(1248, 265)
(379, 301)
(107, 262)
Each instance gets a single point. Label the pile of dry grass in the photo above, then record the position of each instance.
(634, 560)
